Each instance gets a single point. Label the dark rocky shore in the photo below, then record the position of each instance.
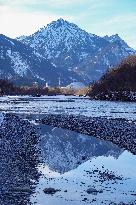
(119, 131)
(18, 160)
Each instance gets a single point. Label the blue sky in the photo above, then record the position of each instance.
(101, 17)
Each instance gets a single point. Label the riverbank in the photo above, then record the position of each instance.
(119, 131)
(19, 160)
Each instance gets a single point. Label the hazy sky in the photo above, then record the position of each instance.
(101, 17)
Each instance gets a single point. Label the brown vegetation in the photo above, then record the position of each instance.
(7, 88)
(117, 84)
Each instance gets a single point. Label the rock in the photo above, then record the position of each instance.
(93, 191)
(83, 158)
(85, 199)
(50, 190)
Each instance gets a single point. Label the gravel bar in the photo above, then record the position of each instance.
(119, 131)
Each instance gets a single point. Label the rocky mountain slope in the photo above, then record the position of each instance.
(60, 53)
(117, 84)
(70, 48)
(21, 65)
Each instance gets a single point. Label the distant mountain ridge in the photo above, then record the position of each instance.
(72, 48)
(70, 54)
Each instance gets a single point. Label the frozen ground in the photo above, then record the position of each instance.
(68, 105)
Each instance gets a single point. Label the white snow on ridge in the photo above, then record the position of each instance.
(19, 65)
(125, 46)
(57, 33)
(11, 42)
(54, 65)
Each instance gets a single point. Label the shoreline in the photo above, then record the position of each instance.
(118, 131)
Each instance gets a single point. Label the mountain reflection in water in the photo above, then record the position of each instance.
(64, 150)
(60, 150)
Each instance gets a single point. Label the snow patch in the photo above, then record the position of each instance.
(19, 65)
(76, 85)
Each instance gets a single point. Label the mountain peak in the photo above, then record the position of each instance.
(76, 51)
(113, 38)
(58, 23)
(116, 37)
(61, 20)
(62, 31)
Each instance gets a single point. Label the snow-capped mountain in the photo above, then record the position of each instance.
(61, 50)
(61, 37)
(107, 58)
(116, 39)
(20, 64)
(71, 48)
